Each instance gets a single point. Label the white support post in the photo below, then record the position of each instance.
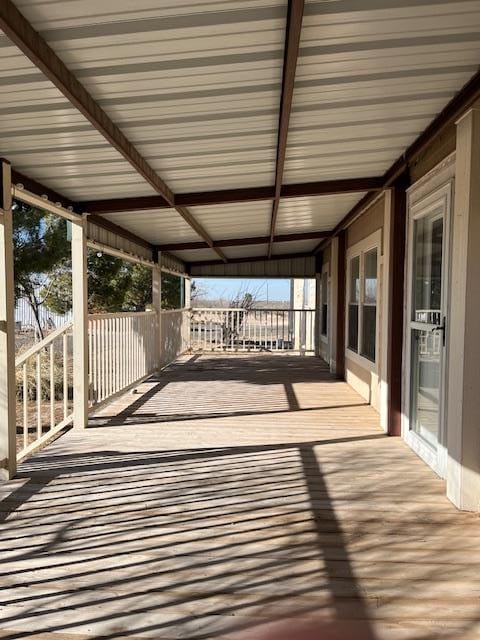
(80, 323)
(157, 304)
(8, 456)
(463, 369)
(188, 293)
(385, 309)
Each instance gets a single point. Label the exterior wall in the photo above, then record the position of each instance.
(363, 376)
(463, 397)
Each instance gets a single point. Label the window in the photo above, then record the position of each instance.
(324, 298)
(362, 264)
(369, 307)
(353, 304)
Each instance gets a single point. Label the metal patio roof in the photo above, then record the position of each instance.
(188, 105)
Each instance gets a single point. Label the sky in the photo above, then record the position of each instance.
(272, 289)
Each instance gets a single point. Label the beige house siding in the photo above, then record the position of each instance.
(361, 378)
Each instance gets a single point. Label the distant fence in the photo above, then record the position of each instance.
(25, 320)
(253, 329)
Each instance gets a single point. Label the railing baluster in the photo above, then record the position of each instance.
(55, 349)
(39, 394)
(65, 374)
(25, 403)
(52, 386)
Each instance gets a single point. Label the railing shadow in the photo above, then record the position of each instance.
(110, 535)
(198, 543)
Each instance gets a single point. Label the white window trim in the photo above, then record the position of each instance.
(373, 241)
(324, 337)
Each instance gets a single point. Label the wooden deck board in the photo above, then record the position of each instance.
(225, 496)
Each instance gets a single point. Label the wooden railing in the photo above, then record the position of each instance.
(123, 349)
(44, 390)
(175, 334)
(253, 330)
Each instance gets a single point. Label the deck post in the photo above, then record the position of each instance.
(157, 305)
(396, 298)
(341, 302)
(8, 456)
(463, 344)
(188, 292)
(80, 322)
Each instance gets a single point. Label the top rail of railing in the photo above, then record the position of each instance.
(269, 309)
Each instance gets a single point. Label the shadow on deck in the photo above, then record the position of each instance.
(227, 496)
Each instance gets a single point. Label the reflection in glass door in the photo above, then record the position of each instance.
(426, 332)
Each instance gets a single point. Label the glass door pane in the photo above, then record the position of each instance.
(426, 338)
(425, 379)
(427, 295)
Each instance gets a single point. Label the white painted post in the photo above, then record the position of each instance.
(463, 369)
(385, 310)
(188, 293)
(80, 323)
(8, 456)
(157, 304)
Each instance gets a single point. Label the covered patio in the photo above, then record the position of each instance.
(272, 495)
(206, 473)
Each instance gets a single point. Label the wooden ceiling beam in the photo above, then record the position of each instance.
(242, 242)
(292, 45)
(231, 196)
(30, 42)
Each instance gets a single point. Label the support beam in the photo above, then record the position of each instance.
(396, 298)
(241, 242)
(31, 43)
(231, 196)
(8, 455)
(41, 190)
(108, 225)
(292, 44)
(341, 286)
(22, 182)
(80, 323)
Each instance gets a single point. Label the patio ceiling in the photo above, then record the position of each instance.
(193, 123)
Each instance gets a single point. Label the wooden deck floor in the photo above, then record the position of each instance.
(233, 492)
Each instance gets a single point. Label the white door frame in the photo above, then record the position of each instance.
(438, 200)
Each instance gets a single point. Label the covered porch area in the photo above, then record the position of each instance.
(228, 493)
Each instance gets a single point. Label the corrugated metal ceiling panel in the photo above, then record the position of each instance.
(197, 254)
(317, 213)
(237, 220)
(280, 268)
(195, 85)
(50, 141)
(249, 251)
(180, 79)
(158, 227)
(370, 77)
(300, 246)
